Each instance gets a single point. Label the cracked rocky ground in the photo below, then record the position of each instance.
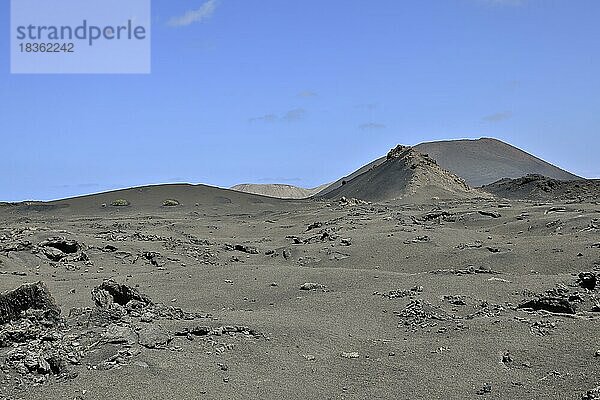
(230, 295)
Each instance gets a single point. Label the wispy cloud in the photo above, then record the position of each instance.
(265, 118)
(307, 93)
(198, 15)
(371, 126)
(498, 117)
(295, 115)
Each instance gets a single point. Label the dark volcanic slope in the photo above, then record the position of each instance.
(405, 173)
(485, 160)
(353, 175)
(537, 187)
(478, 162)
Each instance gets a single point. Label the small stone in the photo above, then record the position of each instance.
(486, 388)
(311, 286)
(119, 334)
(154, 336)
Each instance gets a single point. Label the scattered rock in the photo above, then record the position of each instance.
(53, 254)
(587, 280)
(312, 286)
(31, 296)
(593, 394)
(485, 389)
(111, 292)
(154, 258)
(455, 300)
(314, 225)
(466, 271)
(120, 203)
(492, 214)
(119, 334)
(65, 246)
(287, 254)
(170, 203)
(153, 336)
(343, 201)
(401, 293)
(245, 249)
(552, 304)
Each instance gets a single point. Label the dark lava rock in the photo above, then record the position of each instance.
(490, 214)
(245, 249)
(486, 388)
(587, 280)
(111, 292)
(30, 296)
(65, 246)
(314, 225)
(593, 394)
(53, 254)
(552, 304)
(154, 336)
(119, 334)
(312, 286)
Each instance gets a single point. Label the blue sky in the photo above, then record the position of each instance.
(303, 92)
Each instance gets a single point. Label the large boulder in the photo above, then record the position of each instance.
(30, 296)
(110, 292)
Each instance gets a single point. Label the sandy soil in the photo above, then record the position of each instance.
(416, 301)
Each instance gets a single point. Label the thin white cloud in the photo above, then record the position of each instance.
(498, 117)
(265, 118)
(295, 115)
(192, 16)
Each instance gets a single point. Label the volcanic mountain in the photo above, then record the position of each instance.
(278, 190)
(479, 162)
(405, 173)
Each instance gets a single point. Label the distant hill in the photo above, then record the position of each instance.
(541, 188)
(153, 198)
(479, 162)
(404, 174)
(278, 190)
